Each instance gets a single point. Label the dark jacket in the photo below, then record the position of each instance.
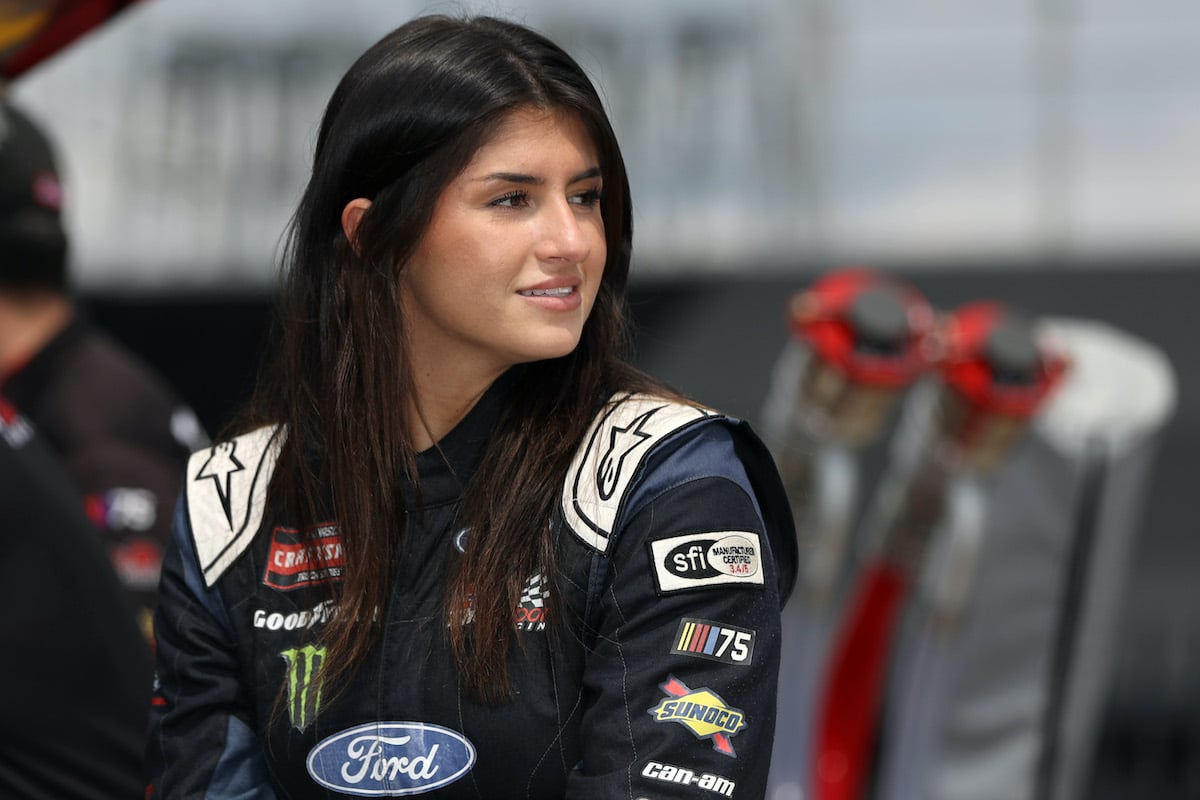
(659, 680)
(75, 677)
(124, 438)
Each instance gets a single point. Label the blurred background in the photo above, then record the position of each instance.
(1044, 154)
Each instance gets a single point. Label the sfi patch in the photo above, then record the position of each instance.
(703, 560)
(727, 644)
(703, 712)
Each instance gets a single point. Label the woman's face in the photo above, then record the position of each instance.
(509, 267)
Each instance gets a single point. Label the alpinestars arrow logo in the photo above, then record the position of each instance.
(621, 442)
(221, 465)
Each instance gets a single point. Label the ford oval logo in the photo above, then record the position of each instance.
(391, 759)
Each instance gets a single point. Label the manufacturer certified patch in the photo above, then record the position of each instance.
(713, 641)
(701, 560)
(703, 712)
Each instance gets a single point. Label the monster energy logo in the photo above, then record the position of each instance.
(304, 683)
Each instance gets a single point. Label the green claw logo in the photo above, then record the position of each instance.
(304, 683)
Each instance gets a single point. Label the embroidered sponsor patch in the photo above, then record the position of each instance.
(530, 611)
(303, 683)
(122, 509)
(669, 773)
(703, 639)
(531, 607)
(297, 559)
(699, 560)
(138, 563)
(703, 712)
(391, 759)
(13, 427)
(295, 620)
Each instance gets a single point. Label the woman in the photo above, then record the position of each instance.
(462, 547)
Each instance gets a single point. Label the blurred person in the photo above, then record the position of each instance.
(460, 545)
(121, 432)
(75, 680)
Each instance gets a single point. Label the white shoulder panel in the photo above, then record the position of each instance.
(226, 490)
(623, 434)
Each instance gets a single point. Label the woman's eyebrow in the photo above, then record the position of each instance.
(532, 180)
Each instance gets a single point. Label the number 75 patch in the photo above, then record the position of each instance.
(716, 642)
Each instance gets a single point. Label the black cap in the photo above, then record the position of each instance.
(33, 244)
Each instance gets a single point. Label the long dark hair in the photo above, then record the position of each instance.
(402, 123)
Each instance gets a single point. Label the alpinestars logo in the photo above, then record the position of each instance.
(531, 608)
(303, 683)
(621, 442)
(219, 468)
(603, 469)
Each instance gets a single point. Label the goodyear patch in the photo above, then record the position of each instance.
(703, 712)
(713, 641)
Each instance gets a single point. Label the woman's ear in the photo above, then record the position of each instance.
(352, 214)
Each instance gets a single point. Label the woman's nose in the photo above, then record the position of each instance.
(563, 236)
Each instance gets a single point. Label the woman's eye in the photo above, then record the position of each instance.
(511, 200)
(589, 198)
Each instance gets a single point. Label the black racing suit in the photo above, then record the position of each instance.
(124, 438)
(660, 683)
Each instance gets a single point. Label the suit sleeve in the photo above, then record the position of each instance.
(681, 683)
(202, 741)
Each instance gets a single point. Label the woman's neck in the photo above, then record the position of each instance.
(441, 399)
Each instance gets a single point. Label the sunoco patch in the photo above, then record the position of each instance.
(703, 712)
